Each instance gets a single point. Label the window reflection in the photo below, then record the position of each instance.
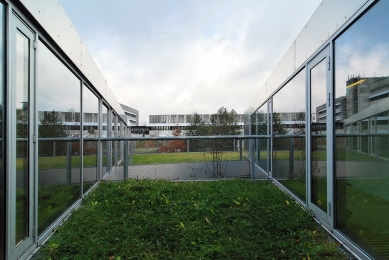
(105, 144)
(289, 118)
(58, 105)
(362, 166)
(22, 134)
(2, 173)
(90, 129)
(259, 127)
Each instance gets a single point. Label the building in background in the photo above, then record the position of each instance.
(131, 115)
(163, 125)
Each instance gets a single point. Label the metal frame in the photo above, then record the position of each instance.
(325, 216)
(12, 251)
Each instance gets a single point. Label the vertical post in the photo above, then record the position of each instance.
(377, 146)
(54, 149)
(252, 163)
(131, 150)
(291, 157)
(187, 146)
(69, 163)
(125, 160)
(240, 149)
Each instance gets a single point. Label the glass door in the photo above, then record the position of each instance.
(320, 176)
(21, 232)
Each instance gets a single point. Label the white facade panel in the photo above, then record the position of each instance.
(327, 19)
(53, 18)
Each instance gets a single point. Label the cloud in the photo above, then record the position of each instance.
(185, 56)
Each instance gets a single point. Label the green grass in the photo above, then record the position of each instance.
(53, 201)
(233, 219)
(59, 162)
(162, 158)
(364, 213)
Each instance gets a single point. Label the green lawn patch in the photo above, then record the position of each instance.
(232, 219)
(163, 158)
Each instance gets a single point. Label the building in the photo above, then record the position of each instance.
(162, 125)
(54, 103)
(338, 163)
(131, 115)
(337, 167)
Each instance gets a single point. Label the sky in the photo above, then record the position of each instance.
(181, 57)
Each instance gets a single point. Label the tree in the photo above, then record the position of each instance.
(51, 126)
(222, 123)
(198, 127)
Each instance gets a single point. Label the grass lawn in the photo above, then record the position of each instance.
(365, 210)
(59, 162)
(161, 158)
(232, 219)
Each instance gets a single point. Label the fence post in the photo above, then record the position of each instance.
(187, 146)
(131, 150)
(69, 163)
(125, 160)
(54, 149)
(240, 149)
(291, 158)
(377, 146)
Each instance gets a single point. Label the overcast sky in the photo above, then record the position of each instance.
(177, 57)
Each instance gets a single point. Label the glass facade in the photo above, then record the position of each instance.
(347, 145)
(22, 126)
(90, 116)
(349, 142)
(58, 105)
(289, 152)
(361, 138)
(2, 171)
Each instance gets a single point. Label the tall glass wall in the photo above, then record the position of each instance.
(362, 131)
(289, 164)
(2, 172)
(90, 115)
(318, 162)
(261, 145)
(22, 127)
(58, 106)
(105, 144)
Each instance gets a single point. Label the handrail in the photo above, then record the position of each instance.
(212, 137)
(147, 138)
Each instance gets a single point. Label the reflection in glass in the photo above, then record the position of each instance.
(90, 129)
(318, 163)
(58, 105)
(261, 145)
(2, 172)
(105, 144)
(22, 133)
(362, 166)
(289, 119)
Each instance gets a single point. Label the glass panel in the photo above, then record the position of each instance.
(90, 129)
(289, 153)
(261, 145)
(2, 172)
(105, 144)
(22, 132)
(58, 105)
(362, 166)
(318, 143)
